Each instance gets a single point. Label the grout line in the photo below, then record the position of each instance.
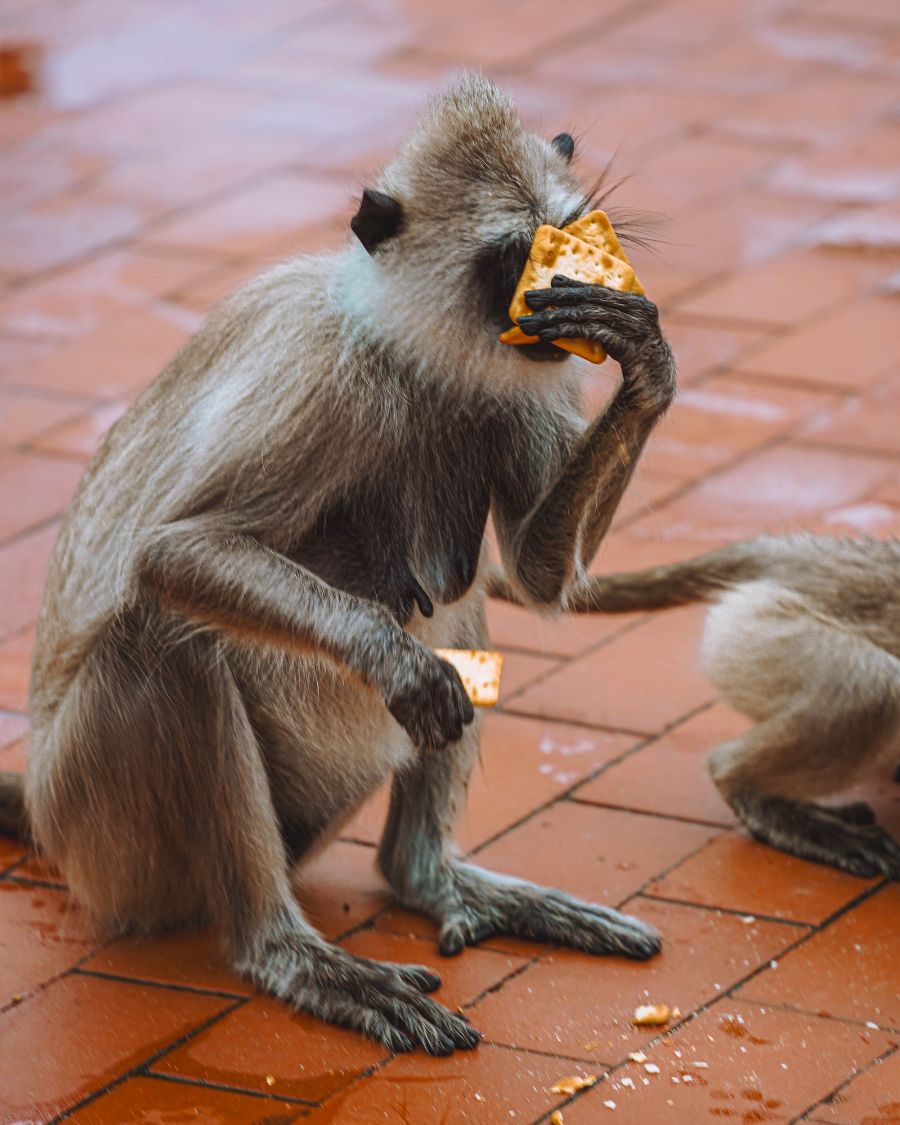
(206, 1084)
(651, 812)
(826, 1102)
(148, 1062)
(168, 986)
(712, 909)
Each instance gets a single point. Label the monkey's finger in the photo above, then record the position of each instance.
(561, 279)
(417, 976)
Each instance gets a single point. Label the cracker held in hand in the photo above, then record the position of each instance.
(586, 250)
(479, 672)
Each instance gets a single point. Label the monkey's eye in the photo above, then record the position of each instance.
(564, 143)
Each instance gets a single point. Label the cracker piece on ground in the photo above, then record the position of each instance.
(479, 672)
(555, 251)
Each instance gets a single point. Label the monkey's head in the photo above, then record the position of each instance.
(447, 227)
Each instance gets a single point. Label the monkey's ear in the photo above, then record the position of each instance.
(564, 145)
(379, 217)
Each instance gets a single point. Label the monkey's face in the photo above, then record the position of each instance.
(452, 228)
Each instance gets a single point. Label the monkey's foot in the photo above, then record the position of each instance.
(383, 1001)
(844, 837)
(478, 904)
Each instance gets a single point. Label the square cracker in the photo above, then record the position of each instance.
(479, 672)
(560, 251)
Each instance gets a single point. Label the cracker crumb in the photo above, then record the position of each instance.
(573, 1084)
(652, 1015)
(651, 1068)
(610, 1104)
(556, 1117)
(638, 1057)
(270, 1079)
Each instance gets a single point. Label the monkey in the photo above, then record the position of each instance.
(803, 637)
(235, 646)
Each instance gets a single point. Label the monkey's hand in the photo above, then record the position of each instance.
(625, 324)
(426, 697)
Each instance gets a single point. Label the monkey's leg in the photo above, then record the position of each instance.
(468, 903)
(827, 703)
(155, 800)
(252, 593)
(570, 521)
(778, 757)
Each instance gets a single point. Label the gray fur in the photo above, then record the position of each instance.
(235, 646)
(803, 637)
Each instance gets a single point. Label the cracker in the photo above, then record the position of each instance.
(560, 251)
(479, 672)
(596, 229)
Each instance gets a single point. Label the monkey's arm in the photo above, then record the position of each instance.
(571, 518)
(256, 595)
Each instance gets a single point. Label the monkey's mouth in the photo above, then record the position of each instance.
(543, 352)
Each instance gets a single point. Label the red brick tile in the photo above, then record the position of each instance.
(778, 489)
(83, 298)
(669, 776)
(524, 763)
(463, 978)
(713, 424)
(866, 422)
(23, 572)
(818, 110)
(489, 1085)
(570, 1000)
(19, 354)
(41, 935)
(11, 850)
(701, 348)
(193, 960)
(696, 170)
(12, 729)
(81, 1032)
(33, 489)
(216, 283)
(763, 1065)
(618, 852)
(851, 348)
(140, 1100)
(123, 355)
(23, 416)
(521, 669)
(787, 290)
(266, 218)
(511, 626)
(619, 685)
(159, 115)
(708, 241)
(860, 169)
(737, 873)
(341, 888)
(59, 229)
(869, 1099)
(860, 229)
(849, 970)
(264, 1039)
(81, 438)
(14, 756)
(15, 671)
(29, 173)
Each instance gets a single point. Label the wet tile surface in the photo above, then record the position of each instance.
(168, 154)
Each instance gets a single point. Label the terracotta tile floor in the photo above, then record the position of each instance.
(169, 152)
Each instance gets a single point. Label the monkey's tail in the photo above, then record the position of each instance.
(12, 805)
(662, 587)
